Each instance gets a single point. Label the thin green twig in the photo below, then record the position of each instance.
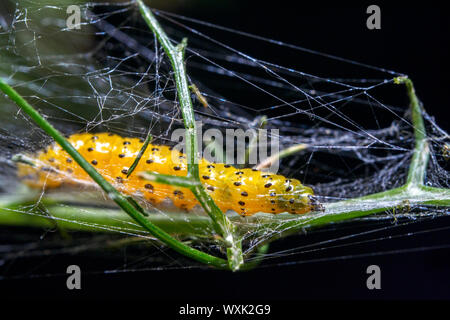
(169, 179)
(199, 95)
(140, 154)
(222, 224)
(282, 154)
(421, 154)
(253, 144)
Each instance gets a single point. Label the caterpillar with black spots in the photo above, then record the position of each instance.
(245, 191)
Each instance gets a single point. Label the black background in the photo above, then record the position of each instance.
(413, 40)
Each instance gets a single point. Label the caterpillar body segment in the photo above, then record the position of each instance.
(245, 191)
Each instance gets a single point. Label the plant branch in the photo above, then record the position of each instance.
(421, 153)
(140, 154)
(282, 154)
(175, 54)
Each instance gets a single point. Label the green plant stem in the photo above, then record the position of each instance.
(253, 144)
(175, 54)
(199, 95)
(116, 196)
(421, 154)
(352, 209)
(178, 181)
(21, 211)
(140, 154)
(282, 154)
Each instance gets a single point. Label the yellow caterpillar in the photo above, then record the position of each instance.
(246, 191)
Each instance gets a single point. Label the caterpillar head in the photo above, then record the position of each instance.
(298, 199)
